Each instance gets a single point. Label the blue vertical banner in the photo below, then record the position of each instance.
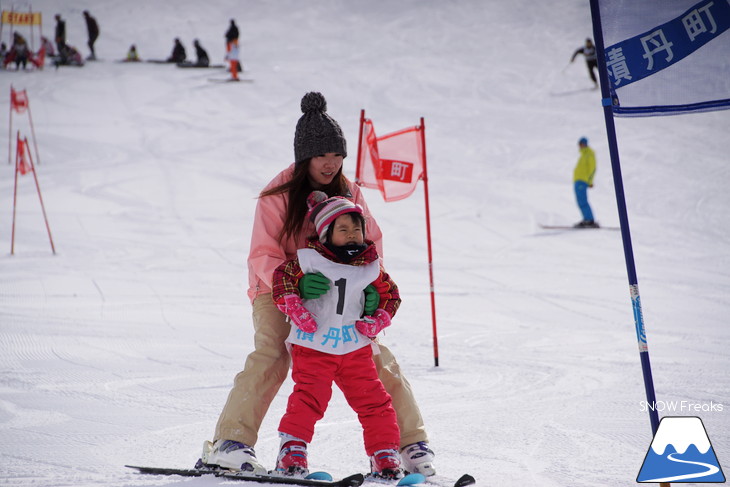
(667, 57)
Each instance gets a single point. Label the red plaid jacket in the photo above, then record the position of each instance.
(287, 275)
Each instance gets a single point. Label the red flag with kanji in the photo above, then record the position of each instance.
(18, 100)
(393, 163)
(23, 166)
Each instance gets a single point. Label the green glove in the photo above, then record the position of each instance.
(312, 286)
(372, 300)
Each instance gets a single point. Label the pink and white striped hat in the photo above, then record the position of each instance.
(323, 211)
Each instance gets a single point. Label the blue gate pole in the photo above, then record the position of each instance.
(623, 215)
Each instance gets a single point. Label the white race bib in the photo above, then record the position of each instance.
(338, 309)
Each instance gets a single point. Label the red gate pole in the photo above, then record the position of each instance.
(10, 125)
(32, 131)
(15, 195)
(40, 198)
(430, 253)
(359, 147)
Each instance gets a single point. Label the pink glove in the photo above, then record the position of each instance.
(298, 314)
(372, 325)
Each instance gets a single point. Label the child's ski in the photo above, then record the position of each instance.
(351, 481)
(419, 479)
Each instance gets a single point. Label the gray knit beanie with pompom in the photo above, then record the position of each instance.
(317, 133)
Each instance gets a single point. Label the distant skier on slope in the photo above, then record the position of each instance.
(589, 52)
(232, 47)
(92, 27)
(583, 174)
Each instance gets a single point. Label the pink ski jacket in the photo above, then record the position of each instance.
(267, 253)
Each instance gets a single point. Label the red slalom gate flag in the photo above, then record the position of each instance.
(393, 163)
(23, 165)
(18, 100)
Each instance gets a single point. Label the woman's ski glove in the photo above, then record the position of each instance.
(312, 286)
(298, 314)
(372, 300)
(372, 325)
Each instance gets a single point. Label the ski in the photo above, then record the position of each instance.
(184, 472)
(419, 479)
(313, 480)
(408, 479)
(351, 481)
(230, 80)
(188, 64)
(462, 481)
(566, 227)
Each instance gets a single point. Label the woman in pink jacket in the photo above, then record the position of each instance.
(280, 228)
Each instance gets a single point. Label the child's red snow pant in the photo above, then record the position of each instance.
(355, 374)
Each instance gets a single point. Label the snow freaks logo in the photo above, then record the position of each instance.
(681, 452)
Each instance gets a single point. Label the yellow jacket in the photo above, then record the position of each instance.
(586, 166)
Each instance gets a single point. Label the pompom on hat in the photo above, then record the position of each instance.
(323, 211)
(317, 133)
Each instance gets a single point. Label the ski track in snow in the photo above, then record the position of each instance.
(122, 348)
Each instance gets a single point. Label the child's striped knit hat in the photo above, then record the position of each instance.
(323, 211)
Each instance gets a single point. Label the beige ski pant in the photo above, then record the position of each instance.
(267, 367)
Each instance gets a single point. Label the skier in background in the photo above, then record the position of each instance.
(93, 29)
(583, 174)
(232, 46)
(320, 352)
(60, 35)
(589, 52)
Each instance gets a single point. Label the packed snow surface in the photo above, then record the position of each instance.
(121, 348)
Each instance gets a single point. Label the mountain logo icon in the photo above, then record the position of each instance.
(681, 452)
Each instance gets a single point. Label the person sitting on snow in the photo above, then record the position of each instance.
(132, 56)
(201, 54)
(48, 46)
(178, 54)
(69, 56)
(19, 52)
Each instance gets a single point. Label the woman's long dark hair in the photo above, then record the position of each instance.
(298, 188)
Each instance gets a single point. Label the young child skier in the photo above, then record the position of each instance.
(330, 341)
